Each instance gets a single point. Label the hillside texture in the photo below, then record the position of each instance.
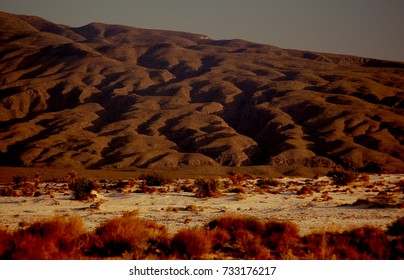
(102, 96)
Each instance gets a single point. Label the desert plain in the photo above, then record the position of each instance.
(314, 205)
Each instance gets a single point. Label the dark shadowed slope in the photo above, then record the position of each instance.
(115, 96)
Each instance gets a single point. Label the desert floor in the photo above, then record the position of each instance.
(376, 201)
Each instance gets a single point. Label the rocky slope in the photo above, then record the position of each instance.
(103, 95)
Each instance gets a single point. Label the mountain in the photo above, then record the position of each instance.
(102, 96)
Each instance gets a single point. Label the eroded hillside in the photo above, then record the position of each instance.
(114, 96)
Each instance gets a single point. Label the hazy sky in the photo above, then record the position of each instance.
(370, 28)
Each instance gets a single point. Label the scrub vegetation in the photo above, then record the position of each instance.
(227, 237)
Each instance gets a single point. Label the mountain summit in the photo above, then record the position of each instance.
(104, 95)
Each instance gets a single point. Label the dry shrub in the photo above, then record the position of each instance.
(48, 239)
(6, 191)
(237, 179)
(397, 227)
(220, 238)
(25, 190)
(83, 189)
(234, 222)
(132, 235)
(360, 243)
(227, 237)
(5, 242)
(237, 190)
(365, 178)
(145, 189)
(316, 246)
(21, 187)
(400, 185)
(369, 242)
(341, 178)
(397, 248)
(240, 236)
(305, 190)
(154, 180)
(191, 243)
(120, 186)
(20, 180)
(207, 188)
(281, 237)
(267, 182)
(250, 245)
(186, 188)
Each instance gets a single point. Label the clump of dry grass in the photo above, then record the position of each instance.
(207, 188)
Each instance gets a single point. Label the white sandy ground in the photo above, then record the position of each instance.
(310, 213)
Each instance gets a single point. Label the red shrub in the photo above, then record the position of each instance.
(191, 243)
(234, 222)
(281, 237)
(220, 238)
(397, 228)
(48, 239)
(5, 242)
(360, 243)
(130, 235)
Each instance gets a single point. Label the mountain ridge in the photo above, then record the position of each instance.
(102, 96)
